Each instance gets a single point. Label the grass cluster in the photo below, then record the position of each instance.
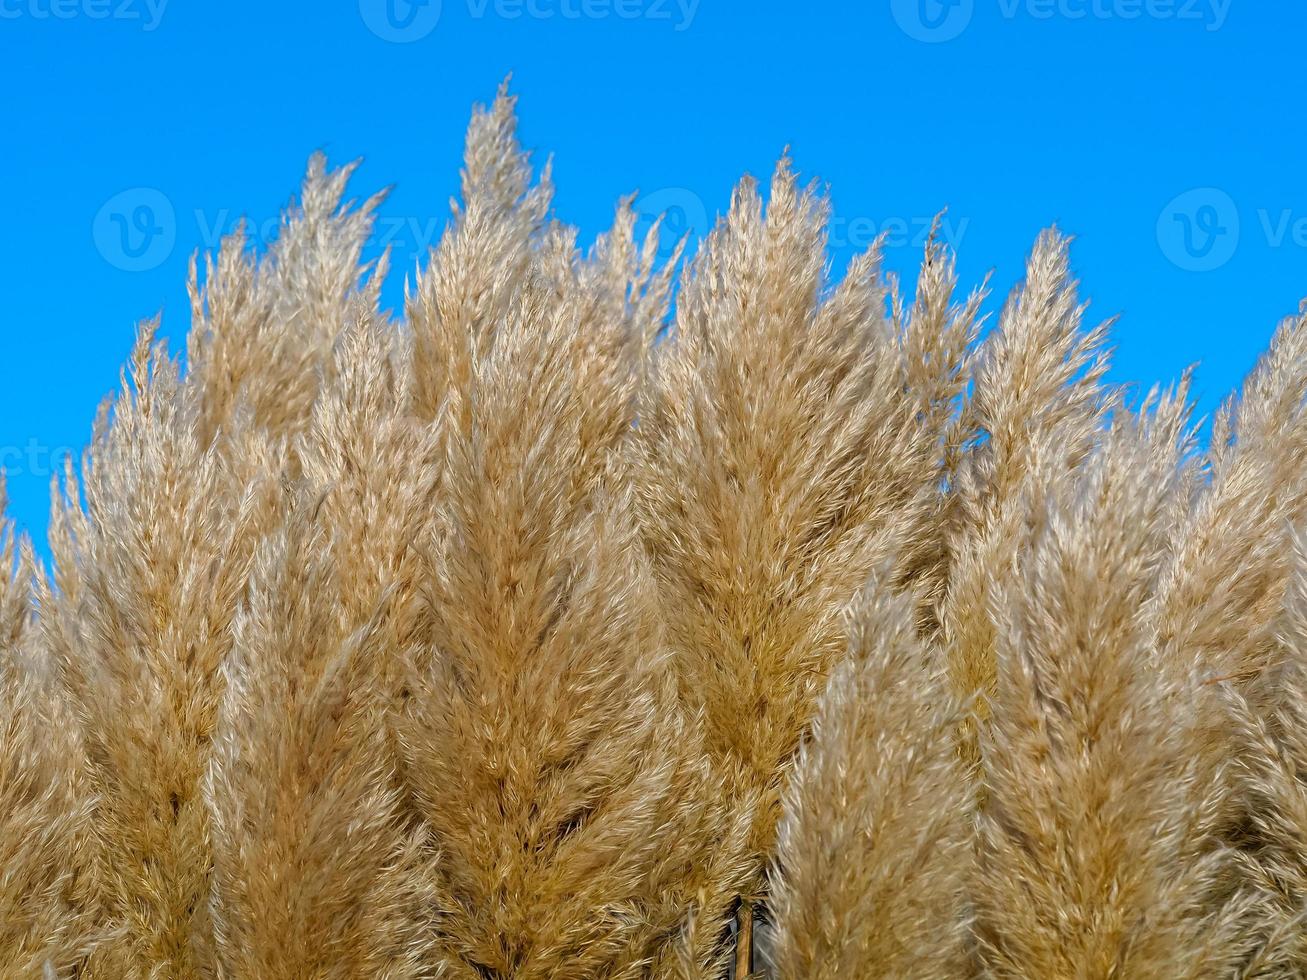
(813, 629)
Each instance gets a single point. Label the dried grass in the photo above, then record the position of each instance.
(549, 633)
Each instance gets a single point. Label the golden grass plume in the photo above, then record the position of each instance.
(590, 622)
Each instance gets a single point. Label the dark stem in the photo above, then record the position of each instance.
(744, 940)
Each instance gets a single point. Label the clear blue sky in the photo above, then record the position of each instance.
(1167, 135)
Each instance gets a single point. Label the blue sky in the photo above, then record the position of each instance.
(1166, 135)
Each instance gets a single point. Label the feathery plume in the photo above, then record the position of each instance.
(147, 576)
(486, 644)
(47, 845)
(779, 463)
(314, 871)
(483, 259)
(1270, 754)
(1091, 859)
(576, 827)
(1036, 387)
(875, 845)
(263, 327)
(1218, 602)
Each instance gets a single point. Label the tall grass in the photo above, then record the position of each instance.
(810, 628)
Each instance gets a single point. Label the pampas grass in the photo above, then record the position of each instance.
(47, 842)
(788, 444)
(580, 624)
(874, 851)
